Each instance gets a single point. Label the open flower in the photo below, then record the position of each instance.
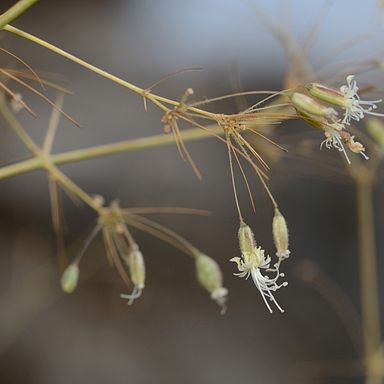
(252, 262)
(333, 139)
(355, 108)
(337, 136)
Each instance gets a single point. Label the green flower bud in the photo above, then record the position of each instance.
(136, 267)
(280, 235)
(311, 107)
(210, 277)
(247, 241)
(375, 128)
(329, 95)
(70, 278)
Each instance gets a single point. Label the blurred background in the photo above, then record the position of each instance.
(175, 333)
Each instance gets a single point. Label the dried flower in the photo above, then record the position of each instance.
(210, 277)
(70, 278)
(252, 262)
(336, 137)
(355, 146)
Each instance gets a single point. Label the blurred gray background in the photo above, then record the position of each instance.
(174, 333)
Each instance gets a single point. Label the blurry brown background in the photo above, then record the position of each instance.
(174, 333)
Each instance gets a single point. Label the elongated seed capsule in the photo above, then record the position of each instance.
(311, 107)
(210, 277)
(280, 235)
(70, 278)
(327, 94)
(136, 267)
(247, 241)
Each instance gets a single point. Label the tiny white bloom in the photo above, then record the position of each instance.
(333, 139)
(251, 264)
(336, 137)
(355, 108)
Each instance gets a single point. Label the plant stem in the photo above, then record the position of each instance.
(107, 149)
(156, 99)
(370, 302)
(45, 160)
(15, 11)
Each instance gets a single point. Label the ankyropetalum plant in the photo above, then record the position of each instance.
(329, 108)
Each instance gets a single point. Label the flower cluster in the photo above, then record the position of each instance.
(326, 117)
(123, 252)
(253, 261)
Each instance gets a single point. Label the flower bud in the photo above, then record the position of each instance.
(375, 128)
(210, 277)
(136, 267)
(311, 107)
(70, 278)
(247, 241)
(280, 235)
(329, 95)
(17, 102)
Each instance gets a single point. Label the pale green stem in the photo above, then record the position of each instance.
(15, 11)
(45, 161)
(370, 301)
(107, 149)
(156, 99)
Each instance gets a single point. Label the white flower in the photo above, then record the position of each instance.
(355, 108)
(336, 137)
(333, 139)
(251, 264)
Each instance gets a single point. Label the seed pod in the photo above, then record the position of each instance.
(247, 241)
(375, 128)
(280, 235)
(329, 95)
(70, 278)
(311, 107)
(210, 277)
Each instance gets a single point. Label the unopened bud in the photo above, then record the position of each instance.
(210, 277)
(280, 235)
(136, 267)
(327, 94)
(375, 128)
(70, 278)
(99, 200)
(311, 107)
(247, 241)
(17, 102)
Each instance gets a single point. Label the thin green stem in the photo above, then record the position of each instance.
(15, 11)
(370, 301)
(156, 99)
(45, 161)
(107, 149)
